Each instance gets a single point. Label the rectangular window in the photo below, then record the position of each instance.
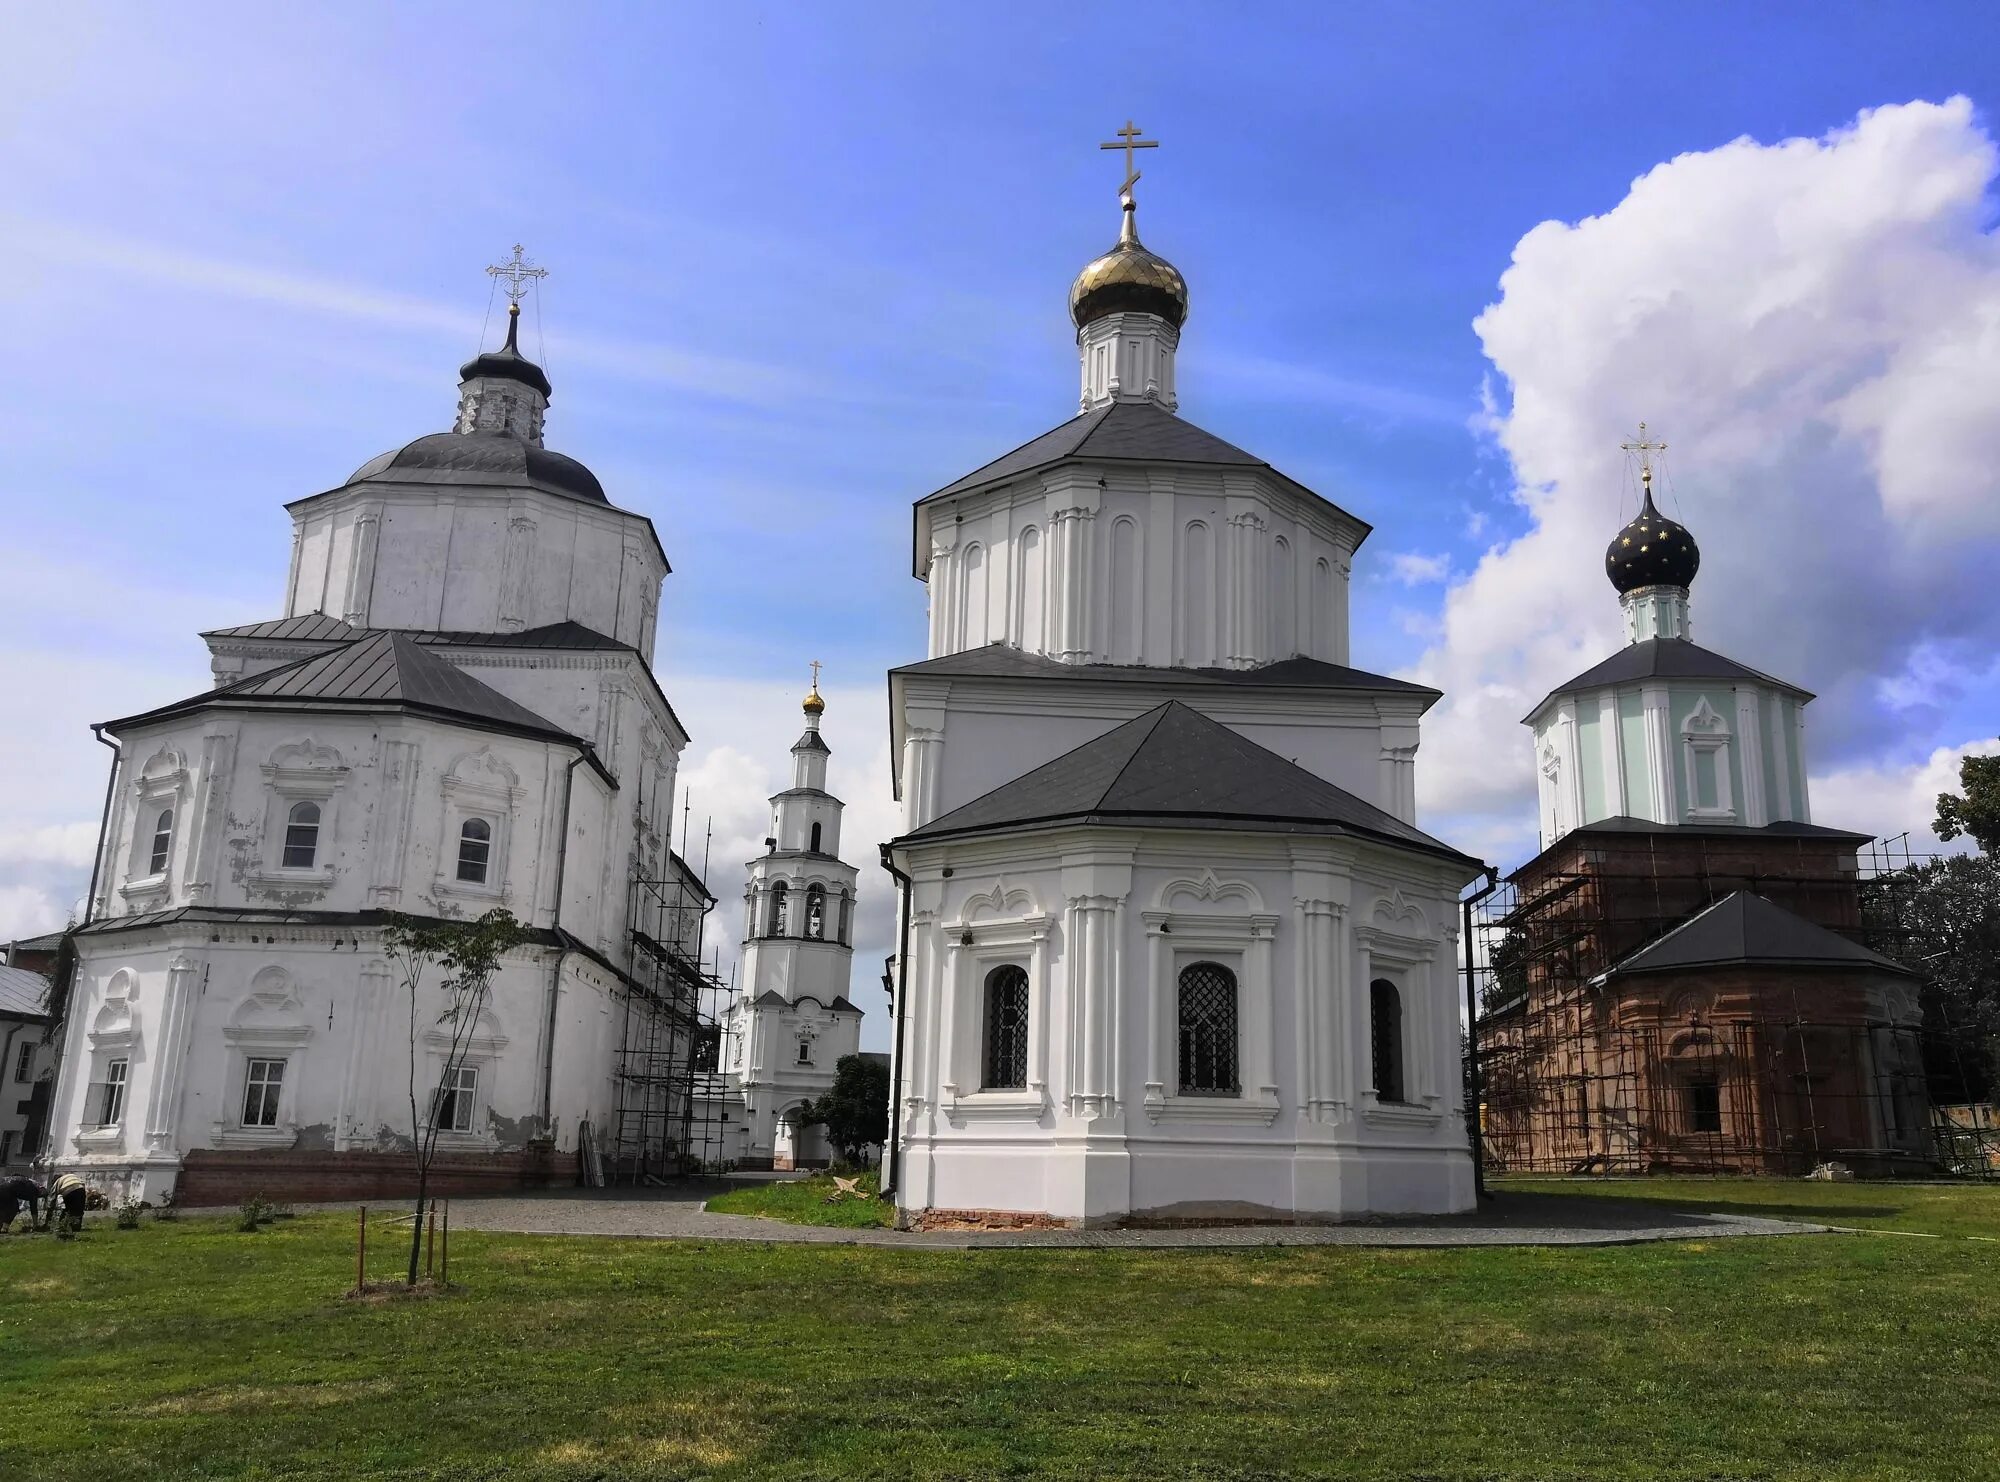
(111, 1093)
(261, 1083)
(1703, 1100)
(24, 1061)
(451, 1109)
(805, 1052)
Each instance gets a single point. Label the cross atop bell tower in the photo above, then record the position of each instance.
(1128, 140)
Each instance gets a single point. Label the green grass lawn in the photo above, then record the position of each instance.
(809, 1201)
(1929, 1209)
(193, 1350)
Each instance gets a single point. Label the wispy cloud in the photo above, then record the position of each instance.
(652, 361)
(1413, 569)
(1278, 380)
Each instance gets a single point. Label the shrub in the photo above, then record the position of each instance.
(166, 1209)
(125, 1213)
(257, 1211)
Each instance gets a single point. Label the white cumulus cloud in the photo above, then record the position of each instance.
(1814, 327)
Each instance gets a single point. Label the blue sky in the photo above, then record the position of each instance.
(809, 263)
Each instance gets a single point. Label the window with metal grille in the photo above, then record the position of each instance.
(1208, 1030)
(261, 1083)
(805, 1052)
(1004, 1057)
(475, 849)
(815, 914)
(163, 838)
(111, 1093)
(1702, 1097)
(451, 1107)
(24, 1059)
(1385, 1038)
(302, 836)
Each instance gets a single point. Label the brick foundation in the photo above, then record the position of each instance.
(216, 1177)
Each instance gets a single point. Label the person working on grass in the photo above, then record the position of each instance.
(67, 1197)
(15, 1192)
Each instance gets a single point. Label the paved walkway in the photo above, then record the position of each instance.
(1507, 1219)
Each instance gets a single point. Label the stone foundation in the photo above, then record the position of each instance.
(216, 1177)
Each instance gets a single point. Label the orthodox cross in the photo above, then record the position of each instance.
(1129, 140)
(518, 273)
(815, 669)
(1645, 449)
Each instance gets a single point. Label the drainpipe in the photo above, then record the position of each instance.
(1472, 1080)
(562, 954)
(900, 1008)
(103, 821)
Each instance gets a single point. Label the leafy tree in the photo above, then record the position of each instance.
(1942, 919)
(855, 1112)
(1507, 965)
(1976, 813)
(467, 953)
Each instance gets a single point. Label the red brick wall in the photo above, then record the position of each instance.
(220, 1177)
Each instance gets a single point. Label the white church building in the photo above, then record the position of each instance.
(790, 1021)
(1173, 946)
(455, 712)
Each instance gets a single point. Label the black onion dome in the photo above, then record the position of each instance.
(483, 458)
(1128, 280)
(1652, 551)
(507, 363)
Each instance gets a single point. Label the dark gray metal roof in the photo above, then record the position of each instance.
(1786, 829)
(1746, 930)
(390, 669)
(1173, 767)
(319, 627)
(810, 741)
(487, 459)
(1003, 661)
(307, 627)
(1665, 658)
(23, 995)
(1137, 431)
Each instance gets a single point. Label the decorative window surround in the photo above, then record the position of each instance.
(479, 1051)
(1020, 937)
(1705, 741)
(300, 772)
(1394, 944)
(1240, 942)
(478, 785)
(270, 1024)
(162, 784)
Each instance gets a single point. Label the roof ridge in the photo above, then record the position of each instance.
(1158, 714)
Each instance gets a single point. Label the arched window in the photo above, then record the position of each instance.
(163, 838)
(815, 839)
(475, 847)
(1003, 1062)
(774, 925)
(815, 914)
(1385, 1038)
(846, 919)
(302, 836)
(1208, 1030)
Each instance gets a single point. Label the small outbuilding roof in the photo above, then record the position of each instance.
(1173, 767)
(1746, 930)
(380, 668)
(23, 995)
(1004, 661)
(1664, 658)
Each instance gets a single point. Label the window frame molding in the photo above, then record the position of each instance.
(1020, 939)
(154, 790)
(1176, 939)
(300, 772)
(1705, 733)
(273, 992)
(1389, 950)
(479, 1051)
(478, 784)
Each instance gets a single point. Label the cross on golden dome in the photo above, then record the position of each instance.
(1129, 140)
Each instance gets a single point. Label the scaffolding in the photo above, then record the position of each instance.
(669, 1034)
(1718, 1070)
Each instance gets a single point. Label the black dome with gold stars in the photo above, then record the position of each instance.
(1652, 551)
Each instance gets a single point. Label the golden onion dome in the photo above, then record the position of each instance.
(814, 704)
(1128, 279)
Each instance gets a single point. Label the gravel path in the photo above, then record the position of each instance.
(1507, 1219)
